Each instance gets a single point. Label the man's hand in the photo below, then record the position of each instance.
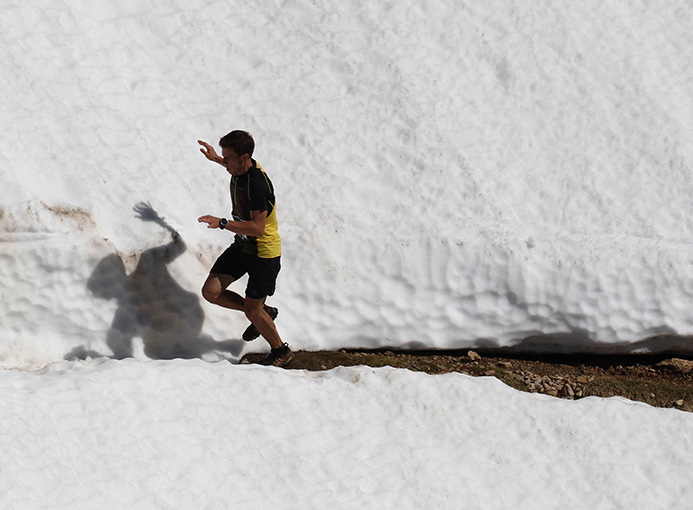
(209, 152)
(254, 228)
(211, 221)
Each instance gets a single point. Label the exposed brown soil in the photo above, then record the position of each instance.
(659, 380)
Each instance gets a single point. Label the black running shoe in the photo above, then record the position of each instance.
(280, 357)
(251, 333)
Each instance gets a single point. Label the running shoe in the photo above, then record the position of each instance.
(280, 357)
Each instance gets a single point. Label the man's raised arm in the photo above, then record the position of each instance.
(210, 153)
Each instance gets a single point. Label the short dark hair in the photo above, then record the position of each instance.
(239, 142)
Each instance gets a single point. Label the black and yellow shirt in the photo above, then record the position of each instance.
(253, 191)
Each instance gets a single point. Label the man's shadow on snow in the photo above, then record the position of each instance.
(151, 304)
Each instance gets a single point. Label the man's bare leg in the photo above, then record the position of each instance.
(255, 311)
(215, 291)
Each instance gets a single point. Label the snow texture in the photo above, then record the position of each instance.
(449, 175)
(190, 434)
(462, 174)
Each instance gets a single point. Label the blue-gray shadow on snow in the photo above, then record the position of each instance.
(151, 305)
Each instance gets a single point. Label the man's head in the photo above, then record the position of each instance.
(237, 150)
(239, 141)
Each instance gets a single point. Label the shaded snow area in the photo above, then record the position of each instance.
(448, 175)
(191, 434)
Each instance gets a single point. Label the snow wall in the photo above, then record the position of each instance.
(449, 175)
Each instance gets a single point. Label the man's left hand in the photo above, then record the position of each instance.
(211, 221)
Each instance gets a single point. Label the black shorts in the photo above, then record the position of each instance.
(262, 273)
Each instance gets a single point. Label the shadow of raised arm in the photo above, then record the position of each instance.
(145, 212)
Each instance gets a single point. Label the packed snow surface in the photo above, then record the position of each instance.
(193, 434)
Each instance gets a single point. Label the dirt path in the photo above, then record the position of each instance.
(659, 380)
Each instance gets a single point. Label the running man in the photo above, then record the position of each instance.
(256, 249)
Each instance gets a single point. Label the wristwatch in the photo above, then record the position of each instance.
(222, 223)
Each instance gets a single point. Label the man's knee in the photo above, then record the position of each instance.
(211, 291)
(215, 285)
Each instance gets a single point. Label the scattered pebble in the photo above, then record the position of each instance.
(556, 386)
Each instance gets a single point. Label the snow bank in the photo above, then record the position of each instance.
(190, 434)
(450, 176)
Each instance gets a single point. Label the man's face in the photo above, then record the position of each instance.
(234, 163)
